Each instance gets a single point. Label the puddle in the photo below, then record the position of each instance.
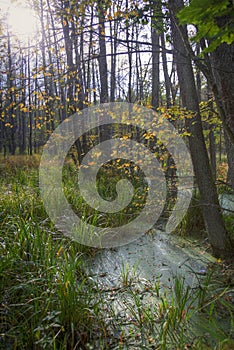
(227, 202)
(154, 255)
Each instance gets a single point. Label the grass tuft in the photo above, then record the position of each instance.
(50, 301)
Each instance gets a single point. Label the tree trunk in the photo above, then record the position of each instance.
(69, 55)
(155, 66)
(102, 54)
(22, 116)
(113, 33)
(230, 159)
(173, 82)
(30, 143)
(198, 77)
(165, 72)
(10, 102)
(129, 49)
(212, 145)
(217, 234)
(59, 90)
(222, 59)
(212, 151)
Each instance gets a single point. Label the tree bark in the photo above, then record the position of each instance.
(30, 143)
(222, 60)
(10, 101)
(129, 59)
(22, 116)
(165, 72)
(114, 45)
(217, 234)
(102, 53)
(155, 66)
(212, 145)
(230, 160)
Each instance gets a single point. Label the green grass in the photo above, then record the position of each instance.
(49, 300)
(106, 185)
(46, 296)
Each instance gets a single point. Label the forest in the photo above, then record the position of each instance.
(135, 100)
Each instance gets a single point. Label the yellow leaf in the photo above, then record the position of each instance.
(59, 251)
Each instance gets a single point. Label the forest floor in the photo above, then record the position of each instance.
(159, 292)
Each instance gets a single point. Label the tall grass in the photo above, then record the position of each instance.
(46, 296)
(49, 300)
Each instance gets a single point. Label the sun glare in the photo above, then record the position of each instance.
(22, 21)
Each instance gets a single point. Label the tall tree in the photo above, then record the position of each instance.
(214, 31)
(114, 44)
(30, 141)
(11, 97)
(155, 64)
(230, 159)
(102, 59)
(165, 71)
(214, 23)
(218, 237)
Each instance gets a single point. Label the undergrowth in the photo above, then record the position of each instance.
(50, 301)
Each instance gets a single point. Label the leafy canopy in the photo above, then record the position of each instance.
(214, 20)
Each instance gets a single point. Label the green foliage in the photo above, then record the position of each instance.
(50, 301)
(207, 15)
(210, 114)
